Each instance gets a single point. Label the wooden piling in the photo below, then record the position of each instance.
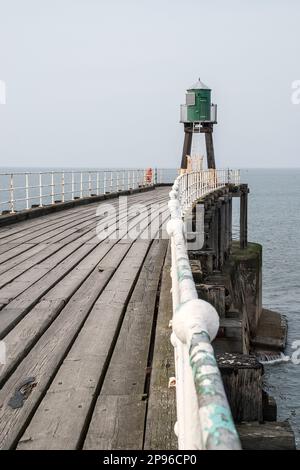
(244, 216)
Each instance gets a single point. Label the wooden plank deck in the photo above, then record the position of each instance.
(78, 316)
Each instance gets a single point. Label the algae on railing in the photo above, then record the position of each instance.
(204, 418)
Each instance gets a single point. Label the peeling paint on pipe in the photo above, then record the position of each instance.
(204, 418)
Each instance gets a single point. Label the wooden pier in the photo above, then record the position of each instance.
(85, 321)
(83, 325)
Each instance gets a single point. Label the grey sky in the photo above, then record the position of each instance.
(99, 82)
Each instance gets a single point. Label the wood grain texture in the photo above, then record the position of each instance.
(28, 289)
(70, 395)
(127, 371)
(63, 301)
(161, 412)
(266, 436)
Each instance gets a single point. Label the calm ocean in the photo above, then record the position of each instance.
(274, 221)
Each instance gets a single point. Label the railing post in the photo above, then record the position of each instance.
(27, 190)
(228, 176)
(72, 185)
(52, 187)
(12, 195)
(81, 185)
(41, 190)
(104, 182)
(97, 184)
(90, 184)
(187, 189)
(63, 186)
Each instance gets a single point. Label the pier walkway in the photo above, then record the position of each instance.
(83, 325)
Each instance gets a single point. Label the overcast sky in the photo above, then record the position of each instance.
(98, 83)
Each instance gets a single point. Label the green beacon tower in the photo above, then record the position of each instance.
(198, 114)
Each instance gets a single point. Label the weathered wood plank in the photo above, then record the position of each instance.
(130, 355)
(44, 253)
(271, 332)
(48, 353)
(60, 260)
(124, 434)
(27, 332)
(58, 303)
(62, 398)
(132, 348)
(266, 436)
(64, 236)
(50, 267)
(242, 377)
(215, 295)
(39, 234)
(9, 246)
(161, 411)
(13, 250)
(73, 388)
(14, 232)
(45, 220)
(24, 256)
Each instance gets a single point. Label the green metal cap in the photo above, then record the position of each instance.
(199, 86)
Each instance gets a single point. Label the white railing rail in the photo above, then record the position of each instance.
(22, 190)
(204, 418)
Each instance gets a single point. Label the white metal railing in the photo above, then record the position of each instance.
(204, 418)
(194, 185)
(22, 190)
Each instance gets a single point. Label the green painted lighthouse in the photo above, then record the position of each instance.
(198, 114)
(198, 101)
